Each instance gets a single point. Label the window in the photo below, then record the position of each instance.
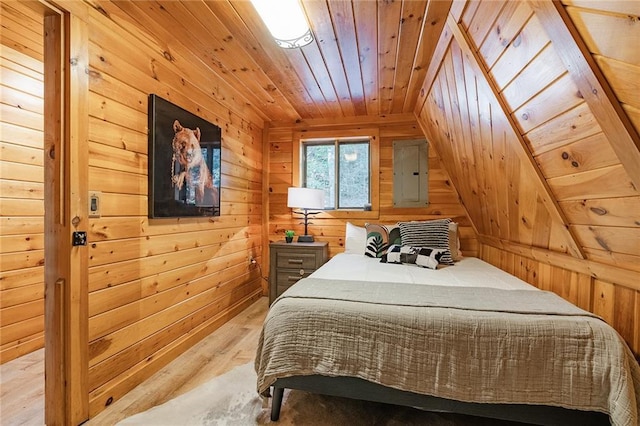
(342, 168)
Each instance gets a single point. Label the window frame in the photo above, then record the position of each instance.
(372, 134)
(337, 144)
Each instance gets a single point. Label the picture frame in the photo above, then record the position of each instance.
(185, 153)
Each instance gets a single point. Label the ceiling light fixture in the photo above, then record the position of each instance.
(286, 22)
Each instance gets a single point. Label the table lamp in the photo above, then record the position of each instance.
(305, 199)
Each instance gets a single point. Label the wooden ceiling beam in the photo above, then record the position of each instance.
(592, 84)
(522, 150)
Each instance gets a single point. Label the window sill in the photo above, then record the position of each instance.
(344, 214)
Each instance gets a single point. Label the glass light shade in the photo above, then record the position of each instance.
(305, 198)
(286, 22)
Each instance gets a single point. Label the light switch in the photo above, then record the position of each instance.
(94, 203)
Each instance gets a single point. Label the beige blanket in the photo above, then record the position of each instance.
(468, 344)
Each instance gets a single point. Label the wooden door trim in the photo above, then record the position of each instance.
(66, 175)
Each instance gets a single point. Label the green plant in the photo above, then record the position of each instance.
(289, 233)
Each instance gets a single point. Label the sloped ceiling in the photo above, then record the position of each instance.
(539, 146)
(369, 57)
(533, 106)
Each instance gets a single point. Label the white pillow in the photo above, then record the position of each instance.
(355, 239)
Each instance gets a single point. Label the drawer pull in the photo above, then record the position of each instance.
(293, 278)
(296, 261)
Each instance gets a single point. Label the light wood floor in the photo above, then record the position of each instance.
(22, 390)
(233, 344)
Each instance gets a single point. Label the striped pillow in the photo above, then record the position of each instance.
(431, 233)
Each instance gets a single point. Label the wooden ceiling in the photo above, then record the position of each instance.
(369, 58)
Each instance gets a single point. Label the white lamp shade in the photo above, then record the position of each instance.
(305, 198)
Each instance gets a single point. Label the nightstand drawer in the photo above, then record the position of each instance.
(290, 276)
(290, 262)
(295, 260)
(286, 278)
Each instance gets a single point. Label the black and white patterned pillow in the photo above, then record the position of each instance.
(400, 254)
(432, 233)
(430, 257)
(422, 256)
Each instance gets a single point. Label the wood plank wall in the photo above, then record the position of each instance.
(611, 31)
(21, 182)
(616, 304)
(526, 151)
(155, 286)
(158, 286)
(443, 198)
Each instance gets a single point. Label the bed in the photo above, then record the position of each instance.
(468, 338)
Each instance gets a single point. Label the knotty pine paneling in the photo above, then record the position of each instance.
(443, 197)
(611, 31)
(616, 304)
(188, 32)
(535, 169)
(477, 146)
(21, 182)
(476, 125)
(158, 285)
(22, 30)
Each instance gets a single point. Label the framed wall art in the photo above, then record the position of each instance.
(184, 162)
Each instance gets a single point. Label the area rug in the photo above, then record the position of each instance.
(231, 399)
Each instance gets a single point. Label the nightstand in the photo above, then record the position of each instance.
(289, 262)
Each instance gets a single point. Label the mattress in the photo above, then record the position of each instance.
(468, 332)
(469, 272)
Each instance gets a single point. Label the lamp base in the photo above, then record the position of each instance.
(305, 239)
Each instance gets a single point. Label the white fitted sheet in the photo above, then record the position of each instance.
(469, 272)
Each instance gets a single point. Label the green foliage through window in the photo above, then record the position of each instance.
(341, 168)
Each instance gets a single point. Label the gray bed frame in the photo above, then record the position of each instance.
(356, 388)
